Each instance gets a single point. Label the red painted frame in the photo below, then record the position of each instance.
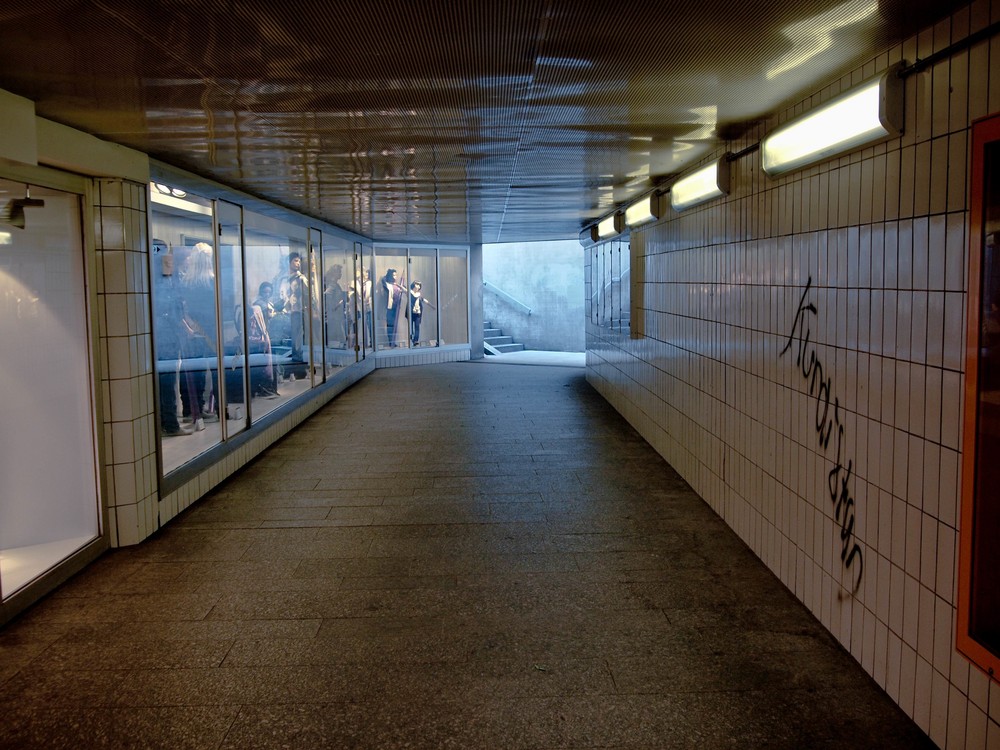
(983, 132)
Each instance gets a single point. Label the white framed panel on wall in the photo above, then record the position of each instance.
(49, 510)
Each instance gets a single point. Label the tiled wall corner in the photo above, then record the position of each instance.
(126, 355)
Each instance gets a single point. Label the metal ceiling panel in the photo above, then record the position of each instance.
(442, 120)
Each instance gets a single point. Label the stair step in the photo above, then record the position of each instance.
(488, 332)
(498, 341)
(507, 348)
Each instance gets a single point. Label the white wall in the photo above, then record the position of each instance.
(881, 233)
(548, 278)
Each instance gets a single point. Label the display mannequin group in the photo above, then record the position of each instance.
(298, 292)
(392, 295)
(417, 303)
(197, 286)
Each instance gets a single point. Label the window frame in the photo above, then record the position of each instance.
(983, 133)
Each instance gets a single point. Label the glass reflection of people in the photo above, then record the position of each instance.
(264, 378)
(335, 304)
(298, 292)
(169, 332)
(197, 284)
(417, 303)
(392, 299)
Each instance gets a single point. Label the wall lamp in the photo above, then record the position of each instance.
(870, 113)
(644, 210)
(709, 182)
(608, 227)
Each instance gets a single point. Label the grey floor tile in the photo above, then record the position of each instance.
(512, 568)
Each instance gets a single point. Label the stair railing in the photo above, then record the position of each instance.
(504, 295)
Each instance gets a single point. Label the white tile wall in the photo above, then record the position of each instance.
(883, 235)
(130, 488)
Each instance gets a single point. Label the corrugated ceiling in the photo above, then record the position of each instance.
(444, 120)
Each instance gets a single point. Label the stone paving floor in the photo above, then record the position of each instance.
(450, 556)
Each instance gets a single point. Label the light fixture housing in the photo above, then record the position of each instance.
(609, 226)
(868, 114)
(709, 182)
(644, 210)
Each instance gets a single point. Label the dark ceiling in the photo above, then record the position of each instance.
(441, 120)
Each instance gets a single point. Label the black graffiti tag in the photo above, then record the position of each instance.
(829, 428)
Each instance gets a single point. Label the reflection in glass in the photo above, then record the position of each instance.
(363, 291)
(338, 303)
(185, 334)
(313, 309)
(275, 377)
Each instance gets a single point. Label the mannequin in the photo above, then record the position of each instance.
(417, 303)
(392, 297)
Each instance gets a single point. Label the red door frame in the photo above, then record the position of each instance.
(984, 131)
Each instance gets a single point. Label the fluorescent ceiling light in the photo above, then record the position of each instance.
(704, 185)
(610, 226)
(643, 210)
(872, 112)
(170, 199)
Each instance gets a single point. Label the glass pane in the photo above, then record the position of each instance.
(48, 490)
(454, 297)
(313, 312)
(625, 287)
(422, 290)
(185, 334)
(274, 377)
(985, 600)
(390, 299)
(595, 285)
(338, 302)
(364, 292)
(233, 323)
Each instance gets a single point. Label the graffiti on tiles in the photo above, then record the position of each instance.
(830, 432)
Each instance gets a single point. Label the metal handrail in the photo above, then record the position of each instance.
(501, 293)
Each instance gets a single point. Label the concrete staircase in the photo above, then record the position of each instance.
(497, 342)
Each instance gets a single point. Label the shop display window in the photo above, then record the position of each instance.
(363, 297)
(251, 312)
(279, 312)
(422, 299)
(233, 385)
(48, 484)
(186, 338)
(340, 287)
(391, 299)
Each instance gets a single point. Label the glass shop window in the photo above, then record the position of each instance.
(49, 504)
(624, 287)
(422, 299)
(340, 287)
(979, 596)
(276, 254)
(186, 334)
(453, 297)
(391, 299)
(363, 300)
